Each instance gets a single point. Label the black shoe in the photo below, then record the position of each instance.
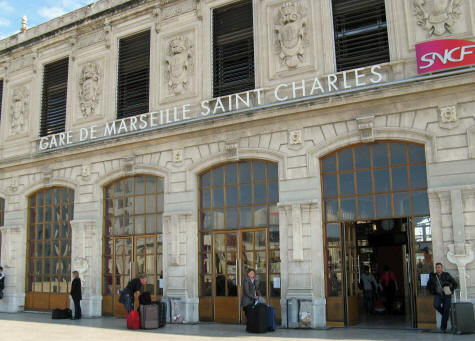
(443, 331)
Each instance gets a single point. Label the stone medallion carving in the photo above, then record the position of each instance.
(19, 110)
(437, 16)
(89, 89)
(179, 63)
(291, 34)
(448, 117)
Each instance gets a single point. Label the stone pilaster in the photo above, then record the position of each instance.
(14, 262)
(180, 266)
(86, 255)
(301, 250)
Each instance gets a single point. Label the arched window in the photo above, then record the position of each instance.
(50, 212)
(133, 208)
(238, 231)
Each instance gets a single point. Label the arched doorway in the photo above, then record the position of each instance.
(238, 223)
(376, 214)
(48, 264)
(133, 208)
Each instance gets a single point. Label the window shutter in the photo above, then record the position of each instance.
(233, 49)
(55, 90)
(134, 75)
(361, 36)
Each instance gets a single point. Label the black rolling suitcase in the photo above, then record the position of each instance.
(162, 313)
(257, 318)
(462, 317)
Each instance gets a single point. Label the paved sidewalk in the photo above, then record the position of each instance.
(40, 327)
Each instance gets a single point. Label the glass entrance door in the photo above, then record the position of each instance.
(132, 256)
(351, 275)
(234, 254)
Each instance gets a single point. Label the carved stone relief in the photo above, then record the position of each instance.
(231, 147)
(448, 117)
(437, 16)
(89, 89)
(295, 137)
(179, 63)
(290, 30)
(19, 110)
(366, 127)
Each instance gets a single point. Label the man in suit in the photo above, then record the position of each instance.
(76, 295)
(441, 284)
(250, 293)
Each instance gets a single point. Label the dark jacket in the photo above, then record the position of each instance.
(76, 293)
(2, 280)
(445, 279)
(249, 291)
(134, 286)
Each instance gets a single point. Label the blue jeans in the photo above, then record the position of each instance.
(442, 305)
(127, 300)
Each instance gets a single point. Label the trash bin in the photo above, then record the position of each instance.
(292, 313)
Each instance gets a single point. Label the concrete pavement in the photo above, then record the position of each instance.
(40, 327)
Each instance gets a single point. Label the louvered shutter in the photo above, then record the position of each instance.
(361, 36)
(233, 49)
(134, 75)
(55, 90)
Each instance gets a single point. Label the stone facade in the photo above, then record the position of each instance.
(438, 112)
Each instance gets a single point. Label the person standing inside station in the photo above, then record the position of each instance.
(76, 295)
(441, 284)
(369, 286)
(389, 282)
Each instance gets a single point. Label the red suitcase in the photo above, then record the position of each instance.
(133, 320)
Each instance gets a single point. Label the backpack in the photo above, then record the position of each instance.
(145, 298)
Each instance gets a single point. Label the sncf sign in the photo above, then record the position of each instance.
(444, 54)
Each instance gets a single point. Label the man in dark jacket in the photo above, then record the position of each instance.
(249, 288)
(76, 295)
(133, 288)
(2, 282)
(442, 285)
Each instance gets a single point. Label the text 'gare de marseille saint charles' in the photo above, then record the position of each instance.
(330, 83)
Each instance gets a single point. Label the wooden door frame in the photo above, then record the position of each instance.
(240, 269)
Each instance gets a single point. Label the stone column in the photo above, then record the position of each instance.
(14, 263)
(86, 258)
(180, 266)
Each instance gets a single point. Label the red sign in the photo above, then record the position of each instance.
(444, 54)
